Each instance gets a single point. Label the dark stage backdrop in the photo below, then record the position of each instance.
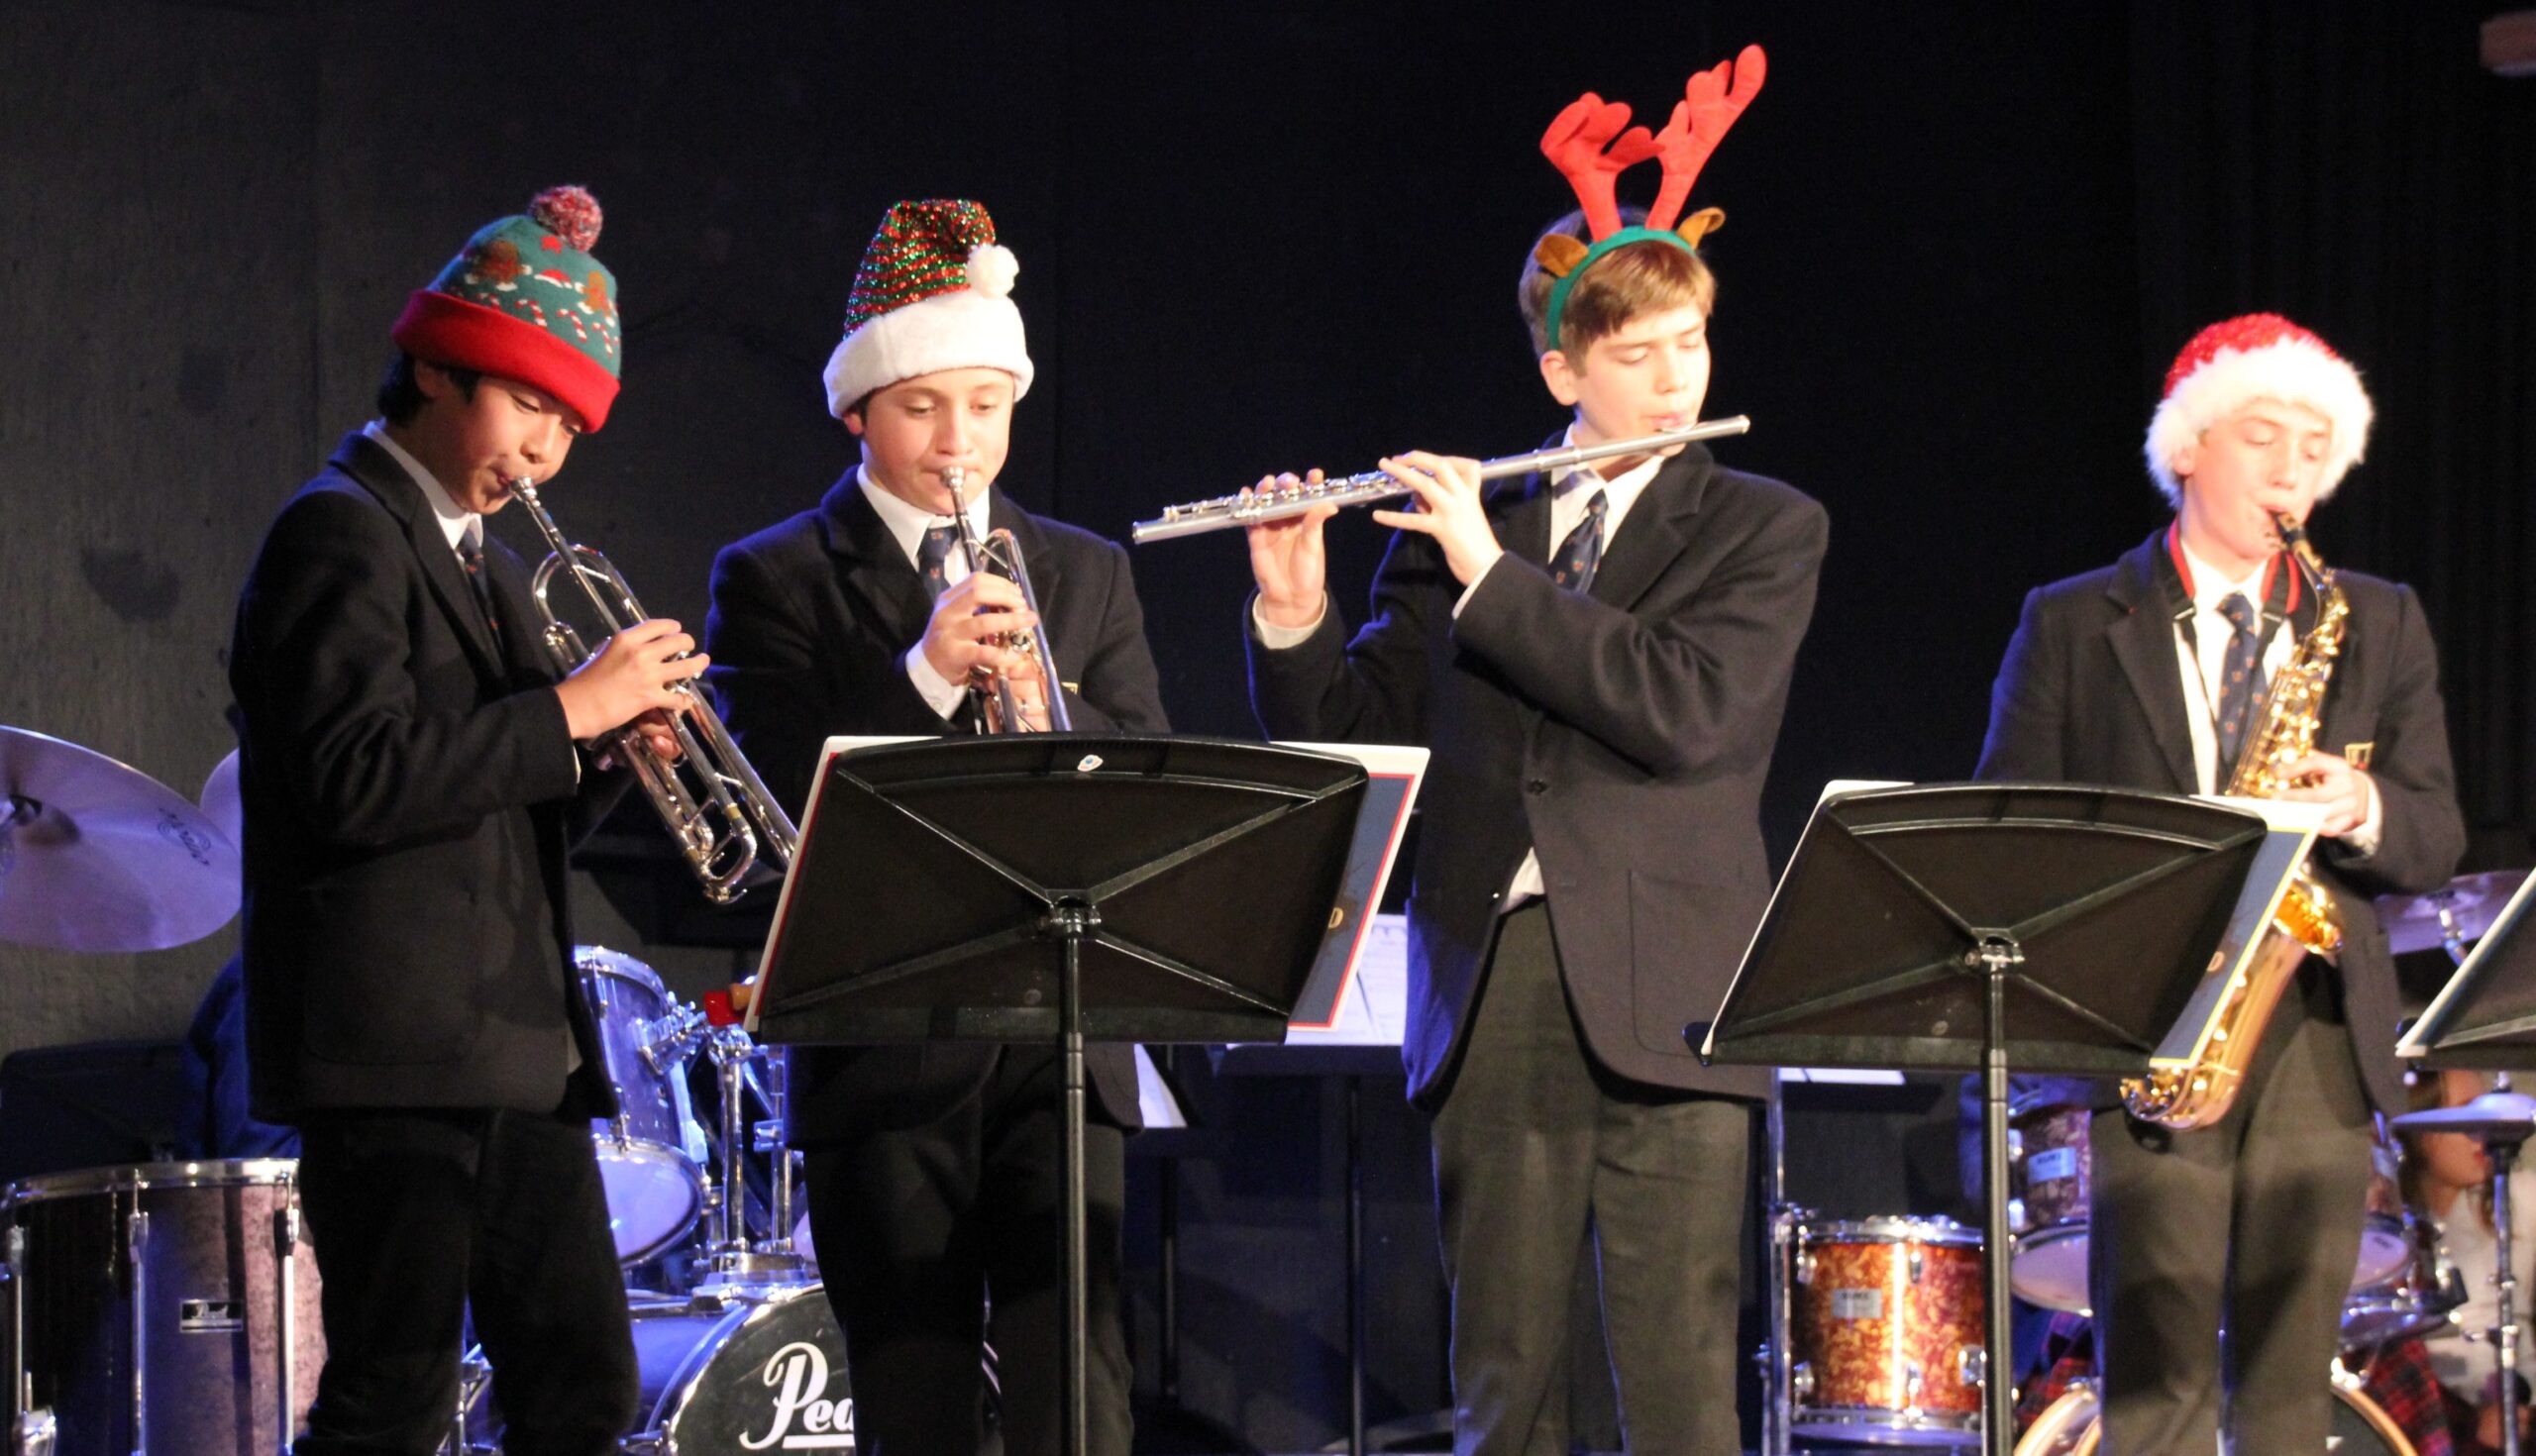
(1965, 242)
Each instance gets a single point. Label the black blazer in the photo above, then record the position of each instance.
(810, 622)
(410, 792)
(1624, 735)
(2091, 693)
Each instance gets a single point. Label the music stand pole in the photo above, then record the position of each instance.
(1994, 956)
(1073, 922)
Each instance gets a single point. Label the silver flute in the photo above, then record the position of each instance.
(1250, 507)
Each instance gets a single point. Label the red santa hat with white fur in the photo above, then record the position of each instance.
(2257, 356)
(934, 292)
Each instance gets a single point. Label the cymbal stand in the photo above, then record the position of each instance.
(2503, 1150)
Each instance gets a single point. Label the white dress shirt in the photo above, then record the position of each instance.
(1571, 491)
(906, 525)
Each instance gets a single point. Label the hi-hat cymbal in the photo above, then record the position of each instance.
(2413, 921)
(2492, 1113)
(98, 855)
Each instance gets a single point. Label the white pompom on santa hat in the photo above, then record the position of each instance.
(2257, 356)
(934, 292)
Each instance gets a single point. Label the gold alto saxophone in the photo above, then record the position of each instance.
(2200, 1091)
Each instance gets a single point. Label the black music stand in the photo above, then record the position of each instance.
(1053, 888)
(2484, 1019)
(1914, 921)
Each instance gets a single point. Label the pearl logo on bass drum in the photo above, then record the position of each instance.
(799, 1376)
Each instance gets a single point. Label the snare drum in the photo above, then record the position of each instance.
(166, 1308)
(1887, 1332)
(652, 1154)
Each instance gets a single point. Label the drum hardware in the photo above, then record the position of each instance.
(2448, 917)
(1277, 502)
(733, 1262)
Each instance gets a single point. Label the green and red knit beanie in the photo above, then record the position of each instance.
(524, 300)
(934, 292)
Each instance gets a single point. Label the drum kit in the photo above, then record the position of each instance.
(1881, 1319)
(173, 1307)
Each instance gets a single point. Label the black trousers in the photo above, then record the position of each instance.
(2252, 1227)
(417, 1214)
(919, 1228)
(1533, 1145)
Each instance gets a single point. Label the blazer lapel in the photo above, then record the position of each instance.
(378, 472)
(1655, 530)
(872, 565)
(2143, 640)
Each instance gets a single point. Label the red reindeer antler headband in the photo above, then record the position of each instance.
(1591, 142)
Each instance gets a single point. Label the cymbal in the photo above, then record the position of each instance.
(2495, 1112)
(2471, 902)
(97, 856)
(221, 803)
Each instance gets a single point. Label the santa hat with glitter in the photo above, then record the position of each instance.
(2257, 356)
(934, 292)
(524, 300)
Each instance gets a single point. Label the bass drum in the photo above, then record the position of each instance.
(725, 1374)
(2069, 1427)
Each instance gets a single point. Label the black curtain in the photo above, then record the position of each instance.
(2352, 165)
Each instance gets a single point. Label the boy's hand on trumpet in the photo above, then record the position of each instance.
(637, 672)
(965, 640)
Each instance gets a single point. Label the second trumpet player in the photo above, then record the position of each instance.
(939, 1167)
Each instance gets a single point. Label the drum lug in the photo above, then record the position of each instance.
(2016, 1144)
(1971, 1364)
(1802, 1379)
(1804, 1266)
(1918, 1262)
(1911, 1380)
(32, 1434)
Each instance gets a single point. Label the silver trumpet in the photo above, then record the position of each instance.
(1277, 502)
(726, 823)
(1001, 554)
